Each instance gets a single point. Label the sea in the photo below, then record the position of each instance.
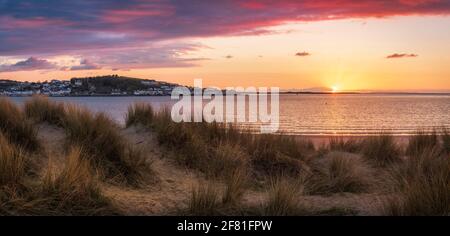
(317, 114)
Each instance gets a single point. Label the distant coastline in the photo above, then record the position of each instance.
(368, 93)
(120, 86)
(281, 93)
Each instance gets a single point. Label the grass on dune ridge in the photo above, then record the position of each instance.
(381, 150)
(423, 183)
(201, 145)
(139, 113)
(12, 163)
(72, 191)
(283, 198)
(446, 140)
(337, 173)
(75, 190)
(41, 109)
(421, 141)
(96, 133)
(16, 127)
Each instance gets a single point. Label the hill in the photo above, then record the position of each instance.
(119, 85)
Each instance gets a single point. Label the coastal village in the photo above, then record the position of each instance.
(111, 85)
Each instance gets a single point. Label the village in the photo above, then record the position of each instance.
(111, 85)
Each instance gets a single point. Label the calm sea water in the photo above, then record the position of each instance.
(350, 114)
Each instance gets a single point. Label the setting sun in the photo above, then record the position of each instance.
(334, 89)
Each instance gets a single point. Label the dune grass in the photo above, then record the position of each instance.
(109, 152)
(205, 200)
(422, 141)
(72, 191)
(344, 144)
(234, 159)
(208, 199)
(12, 163)
(275, 155)
(209, 146)
(16, 127)
(235, 186)
(12, 179)
(339, 172)
(41, 109)
(226, 160)
(446, 140)
(381, 150)
(96, 133)
(216, 148)
(75, 190)
(139, 113)
(283, 198)
(423, 184)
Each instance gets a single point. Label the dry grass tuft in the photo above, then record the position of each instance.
(342, 144)
(337, 173)
(139, 113)
(12, 164)
(99, 138)
(235, 185)
(422, 141)
(225, 160)
(282, 199)
(423, 185)
(16, 127)
(75, 190)
(381, 150)
(40, 109)
(446, 140)
(204, 200)
(275, 155)
(72, 191)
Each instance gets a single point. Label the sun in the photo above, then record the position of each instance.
(334, 89)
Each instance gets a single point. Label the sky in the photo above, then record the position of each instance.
(375, 45)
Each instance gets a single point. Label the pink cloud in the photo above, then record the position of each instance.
(7, 22)
(401, 55)
(29, 64)
(303, 54)
(86, 65)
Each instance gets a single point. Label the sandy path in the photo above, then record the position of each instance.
(167, 194)
(52, 139)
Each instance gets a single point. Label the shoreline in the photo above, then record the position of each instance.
(322, 140)
(281, 93)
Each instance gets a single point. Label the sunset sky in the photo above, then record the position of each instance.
(350, 45)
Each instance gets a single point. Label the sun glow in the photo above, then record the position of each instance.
(334, 89)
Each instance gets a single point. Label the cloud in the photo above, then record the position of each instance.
(29, 64)
(303, 54)
(401, 55)
(86, 65)
(82, 24)
(94, 27)
(228, 56)
(149, 56)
